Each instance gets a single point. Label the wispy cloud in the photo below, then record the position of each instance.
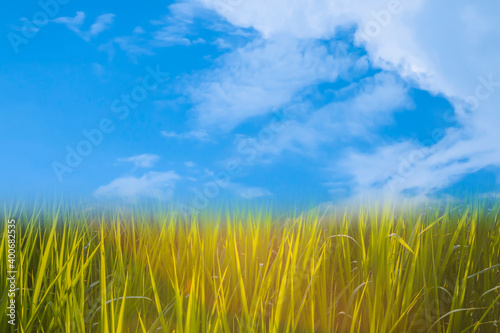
(134, 45)
(102, 23)
(73, 23)
(249, 192)
(198, 135)
(399, 168)
(176, 28)
(259, 78)
(142, 161)
(149, 185)
(362, 109)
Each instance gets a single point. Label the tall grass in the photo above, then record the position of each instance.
(370, 269)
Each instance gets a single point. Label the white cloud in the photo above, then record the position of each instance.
(142, 161)
(405, 166)
(150, 185)
(177, 26)
(73, 23)
(369, 104)
(223, 44)
(189, 164)
(103, 22)
(401, 33)
(303, 18)
(456, 62)
(259, 78)
(250, 192)
(446, 47)
(133, 45)
(199, 135)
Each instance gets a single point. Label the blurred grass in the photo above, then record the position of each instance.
(369, 269)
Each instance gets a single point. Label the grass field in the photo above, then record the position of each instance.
(369, 269)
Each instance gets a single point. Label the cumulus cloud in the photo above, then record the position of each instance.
(399, 33)
(259, 78)
(458, 62)
(149, 185)
(446, 47)
(302, 18)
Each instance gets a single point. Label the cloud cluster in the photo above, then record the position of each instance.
(446, 47)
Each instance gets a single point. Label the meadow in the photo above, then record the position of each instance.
(366, 268)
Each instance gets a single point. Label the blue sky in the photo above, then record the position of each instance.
(199, 101)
